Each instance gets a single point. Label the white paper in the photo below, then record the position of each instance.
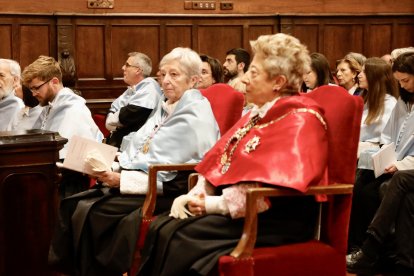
(80, 148)
(384, 158)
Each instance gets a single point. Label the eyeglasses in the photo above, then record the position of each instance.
(127, 65)
(35, 89)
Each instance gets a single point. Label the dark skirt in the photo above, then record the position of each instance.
(97, 230)
(192, 246)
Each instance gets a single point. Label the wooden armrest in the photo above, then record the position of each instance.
(192, 180)
(151, 197)
(247, 241)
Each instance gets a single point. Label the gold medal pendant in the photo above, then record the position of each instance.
(145, 147)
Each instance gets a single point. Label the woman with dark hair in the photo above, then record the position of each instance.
(380, 93)
(399, 130)
(320, 73)
(396, 209)
(347, 70)
(211, 72)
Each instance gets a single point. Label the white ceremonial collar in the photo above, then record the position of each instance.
(168, 107)
(261, 111)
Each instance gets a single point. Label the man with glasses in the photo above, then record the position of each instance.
(63, 112)
(131, 110)
(10, 105)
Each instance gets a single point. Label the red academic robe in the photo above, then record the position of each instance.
(291, 150)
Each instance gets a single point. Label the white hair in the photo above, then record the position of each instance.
(189, 60)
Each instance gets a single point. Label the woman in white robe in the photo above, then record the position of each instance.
(97, 229)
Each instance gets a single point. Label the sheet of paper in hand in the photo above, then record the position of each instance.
(383, 159)
(88, 156)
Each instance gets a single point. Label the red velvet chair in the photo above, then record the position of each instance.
(100, 122)
(227, 105)
(325, 255)
(223, 97)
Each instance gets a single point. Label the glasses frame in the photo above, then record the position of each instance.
(127, 65)
(35, 89)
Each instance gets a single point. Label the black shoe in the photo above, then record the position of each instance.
(359, 263)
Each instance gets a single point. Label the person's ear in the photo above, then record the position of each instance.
(241, 66)
(194, 80)
(279, 82)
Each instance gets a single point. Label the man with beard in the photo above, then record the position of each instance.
(63, 112)
(10, 105)
(131, 110)
(236, 64)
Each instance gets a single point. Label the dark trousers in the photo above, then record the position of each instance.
(397, 209)
(365, 202)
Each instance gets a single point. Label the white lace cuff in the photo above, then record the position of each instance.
(216, 205)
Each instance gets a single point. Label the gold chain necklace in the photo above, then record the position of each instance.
(225, 160)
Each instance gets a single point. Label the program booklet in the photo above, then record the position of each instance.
(383, 159)
(88, 156)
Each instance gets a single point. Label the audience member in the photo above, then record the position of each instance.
(271, 138)
(387, 58)
(360, 58)
(399, 130)
(29, 114)
(398, 51)
(64, 112)
(347, 70)
(97, 229)
(393, 220)
(236, 64)
(319, 73)
(10, 104)
(380, 93)
(211, 73)
(130, 111)
(68, 68)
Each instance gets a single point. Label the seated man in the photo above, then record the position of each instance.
(64, 112)
(10, 104)
(131, 110)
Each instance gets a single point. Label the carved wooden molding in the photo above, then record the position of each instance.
(101, 4)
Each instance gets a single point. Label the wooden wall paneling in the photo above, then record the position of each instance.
(254, 31)
(25, 37)
(378, 39)
(341, 39)
(133, 38)
(404, 34)
(90, 49)
(240, 7)
(35, 40)
(6, 37)
(65, 35)
(176, 35)
(215, 41)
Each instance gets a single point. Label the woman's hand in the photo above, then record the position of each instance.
(391, 169)
(112, 179)
(197, 207)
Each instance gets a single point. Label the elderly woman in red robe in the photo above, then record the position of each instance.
(282, 141)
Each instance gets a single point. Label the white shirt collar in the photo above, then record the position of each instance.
(261, 111)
